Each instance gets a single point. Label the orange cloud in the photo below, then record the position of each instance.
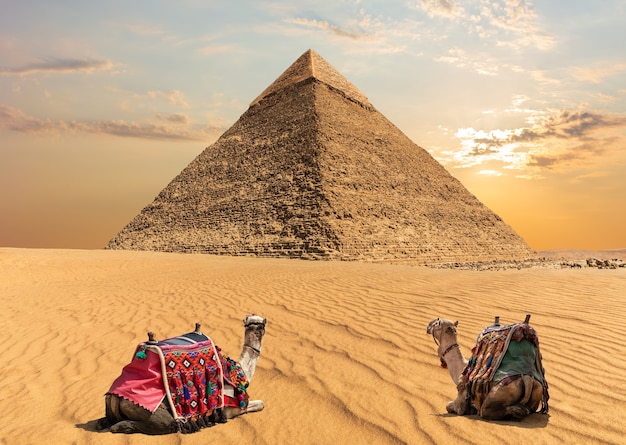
(597, 74)
(175, 126)
(564, 139)
(65, 66)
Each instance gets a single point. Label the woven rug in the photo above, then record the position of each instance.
(492, 349)
(195, 378)
(187, 374)
(502, 354)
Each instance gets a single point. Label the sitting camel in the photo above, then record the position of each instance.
(505, 381)
(125, 416)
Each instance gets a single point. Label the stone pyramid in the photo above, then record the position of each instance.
(312, 170)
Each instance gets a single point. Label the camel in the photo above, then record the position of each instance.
(124, 416)
(512, 397)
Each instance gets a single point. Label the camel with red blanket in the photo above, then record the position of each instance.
(183, 384)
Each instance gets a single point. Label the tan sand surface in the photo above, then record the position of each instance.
(346, 358)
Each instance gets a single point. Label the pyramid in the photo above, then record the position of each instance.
(312, 170)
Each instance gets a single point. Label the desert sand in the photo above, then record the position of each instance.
(345, 359)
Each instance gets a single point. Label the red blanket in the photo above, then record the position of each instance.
(141, 381)
(189, 377)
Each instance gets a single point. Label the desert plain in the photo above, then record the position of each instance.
(345, 358)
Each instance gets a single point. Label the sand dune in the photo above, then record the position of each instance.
(345, 359)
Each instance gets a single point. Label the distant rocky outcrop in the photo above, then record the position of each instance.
(579, 258)
(535, 263)
(312, 170)
(614, 263)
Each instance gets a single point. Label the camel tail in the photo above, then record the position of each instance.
(528, 389)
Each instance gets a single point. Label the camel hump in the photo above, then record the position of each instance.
(503, 351)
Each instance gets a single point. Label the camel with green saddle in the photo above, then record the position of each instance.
(183, 384)
(504, 377)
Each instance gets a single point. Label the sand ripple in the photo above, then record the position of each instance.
(345, 359)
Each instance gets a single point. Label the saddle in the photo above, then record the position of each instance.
(188, 373)
(502, 354)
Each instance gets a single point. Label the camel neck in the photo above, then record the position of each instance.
(250, 353)
(454, 360)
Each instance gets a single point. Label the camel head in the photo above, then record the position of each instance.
(438, 328)
(444, 335)
(255, 330)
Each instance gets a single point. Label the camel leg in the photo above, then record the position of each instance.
(459, 405)
(255, 406)
(161, 422)
(536, 396)
(111, 413)
(501, 403)
(515, 400)
(498, 411)
(119, 410)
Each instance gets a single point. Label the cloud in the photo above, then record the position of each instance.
(506, 23)
(175, 97)
(64, 66)
(605, 97)
(134, 101)
(598, 74)
(506, 26)
(441, 8)
(591, 175)
(516, 21)
(174, 118)
(325, 26)
(16, 120)
(459, 58)
(582, 152)
(490, 173)
(361, 33)
(568, 124)
(138, 130)
(508, 14)
(558, 141)
(544, 78)
(162, 127)
(517, 100)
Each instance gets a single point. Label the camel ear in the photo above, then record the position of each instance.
(456, 323)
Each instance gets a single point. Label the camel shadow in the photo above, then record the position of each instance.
(535, 420)
(90, 426)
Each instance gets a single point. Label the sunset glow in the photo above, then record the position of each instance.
(102, 104)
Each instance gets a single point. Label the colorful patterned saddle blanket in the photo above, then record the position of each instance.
(189, 373)
(503, 351)
(503, 354)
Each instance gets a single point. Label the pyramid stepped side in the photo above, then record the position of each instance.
(391, 200)
(256, 190)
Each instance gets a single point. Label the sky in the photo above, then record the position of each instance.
(102, 103)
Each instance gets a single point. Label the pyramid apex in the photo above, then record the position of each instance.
(312, 65)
